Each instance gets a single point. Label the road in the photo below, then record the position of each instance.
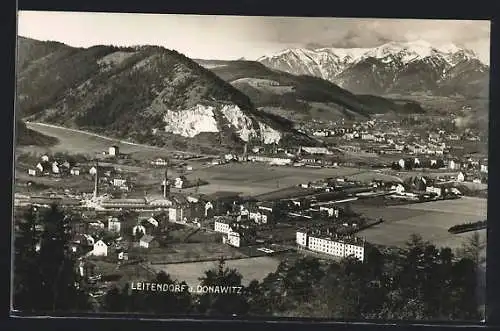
(32, 125)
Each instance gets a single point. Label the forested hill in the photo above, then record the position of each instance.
(148, 94)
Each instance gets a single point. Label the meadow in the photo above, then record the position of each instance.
(250, 268)
(430, 219)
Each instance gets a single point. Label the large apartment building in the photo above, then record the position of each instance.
(331, 245)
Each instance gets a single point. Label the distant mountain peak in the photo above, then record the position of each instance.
(386, 67)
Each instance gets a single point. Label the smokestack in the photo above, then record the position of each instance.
(165, 184)
(96, 183)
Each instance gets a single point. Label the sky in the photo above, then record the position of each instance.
(235, 37)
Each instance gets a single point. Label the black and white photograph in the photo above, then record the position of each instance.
(246, 167)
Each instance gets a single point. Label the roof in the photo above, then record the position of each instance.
(147, 238)
(125, 201)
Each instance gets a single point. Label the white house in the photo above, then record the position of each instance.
(332, 212)
(123, 256)
(93, 170)
(32, 172)
(179, 182)
(301, 238)
(484, 168)
(435, 190)
(453, 165)
(114, 225)
(75, 171)
(460, 177)
(55, 167)
(39, 166)
(208, 206)
(398, 188)
(153, 222)
(147, 241)
(100, 249)
(119, 182)
(45, 158)
(159, 162)
(221, 226)
(416, 162)
(401, 163)
(258, 217)
(233, 239)
(113, 150)
(176, 214)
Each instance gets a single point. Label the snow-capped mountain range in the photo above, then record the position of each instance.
(381, 69)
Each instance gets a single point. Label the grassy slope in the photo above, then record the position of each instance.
(307, 92)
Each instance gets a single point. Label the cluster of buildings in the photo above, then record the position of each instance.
(48, 166)
(330, 243)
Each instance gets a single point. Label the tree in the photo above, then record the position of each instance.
(55, 285)
(225, 303)
(472, 248)
(26, 272)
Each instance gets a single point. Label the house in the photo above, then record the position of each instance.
(40, 167)
(484, 168)
(107, 171)
(75, 171)
(100, 249)
(113, 150)
(460, 177)
(159, 162)
(45, 158)
(233, 238)
(401, 163)
(258, 217)
(55, 168)
(180, 182)
(176, 214)
(148, 241)
(32, 172)
(454, 165)
(119, 182)
(122, 255)
(436, 190)
(332, 212)
(221, 225)
(208, 207)
(153, 222)
(114, 225)
(398, 188)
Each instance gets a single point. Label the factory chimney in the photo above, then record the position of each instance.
(96, 179)
(165, 184)
(245, 151)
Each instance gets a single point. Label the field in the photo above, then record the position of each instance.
(251, 268)
(259, 178)
(430, 219)
(80, 142)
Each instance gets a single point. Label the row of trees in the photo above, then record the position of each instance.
(419, 282)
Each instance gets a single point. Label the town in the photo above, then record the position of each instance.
(121, 219)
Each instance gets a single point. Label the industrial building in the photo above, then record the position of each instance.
(331, 244)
